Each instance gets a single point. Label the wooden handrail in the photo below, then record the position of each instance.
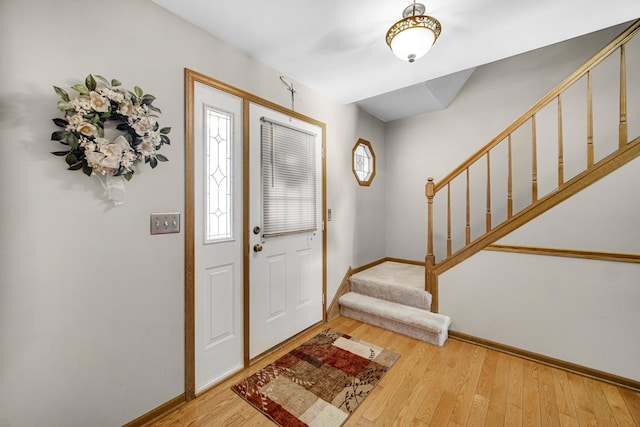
(601, 169)
(593, 171)
(571, 79)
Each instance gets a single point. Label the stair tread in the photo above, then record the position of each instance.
(393, 281)
(413, 316)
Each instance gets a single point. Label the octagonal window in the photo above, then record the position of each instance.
(363, 162)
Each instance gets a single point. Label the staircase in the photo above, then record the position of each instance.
(391, 295)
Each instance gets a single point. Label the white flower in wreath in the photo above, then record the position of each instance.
(98, 102)
(85, 117)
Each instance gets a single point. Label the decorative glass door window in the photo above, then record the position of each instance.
(288, 179)
(364, 162)
(219, 175)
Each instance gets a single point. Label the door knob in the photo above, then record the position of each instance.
(257, 247)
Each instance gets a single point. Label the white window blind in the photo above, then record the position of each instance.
(288, 179)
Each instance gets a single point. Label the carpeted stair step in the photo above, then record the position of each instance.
(393, 281)
(414, 322)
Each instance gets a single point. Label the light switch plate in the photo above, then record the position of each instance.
(165, 223)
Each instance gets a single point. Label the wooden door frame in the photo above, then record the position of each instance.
(190, 78)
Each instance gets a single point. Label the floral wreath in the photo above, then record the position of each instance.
(84, 123)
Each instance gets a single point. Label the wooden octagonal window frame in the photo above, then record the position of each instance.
(363, 176)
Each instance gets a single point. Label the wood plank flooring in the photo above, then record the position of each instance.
(459, 384)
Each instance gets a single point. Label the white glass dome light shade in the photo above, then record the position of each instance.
(411, 37)
(412, 43)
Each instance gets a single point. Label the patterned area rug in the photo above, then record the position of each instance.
(319, 383)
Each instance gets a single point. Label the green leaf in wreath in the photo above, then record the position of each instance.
(90, 82)
(128, 176)
(161, 158)
(102, 79)
(59, 135)
(154, 162)
(73, 141)
(115, 82)
(60, 153)
(165, 130)
(71, 159)
(122, 126)
(138, 91)
(100, 131)
(75, 167)
(165, 139)
(60, 122)
(95, 119)
(80, 88)
(127, 136)
(156, 109)
(147, 99)
(63, 93)
(63, 105)
(87, 170)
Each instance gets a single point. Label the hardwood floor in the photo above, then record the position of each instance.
(459, 384)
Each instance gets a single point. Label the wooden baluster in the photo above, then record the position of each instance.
(623, 136)
(448, 219)
(467, 234)
(430, 259)
(510, 182)
(534, 162)
(560, 146)
(589, 122)
(488, 216)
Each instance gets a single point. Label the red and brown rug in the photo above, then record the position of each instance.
(321, 382)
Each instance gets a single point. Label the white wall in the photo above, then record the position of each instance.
(575, 310)
(91, 305)
(578, 310)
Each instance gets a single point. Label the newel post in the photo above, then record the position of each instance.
(430, 259)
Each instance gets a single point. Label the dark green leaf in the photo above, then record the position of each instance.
(59, 135)
(122, 126)
(106, 115)
(60, 153)
(161, 158)
(165, 139)
(157, 110)
(153, 162)
(95, 119)
(128, 176)
(90, 82)
(60, 122)
(165, 130)
(100, 131)
(138, 91)
(87, 170)
(73, 141)
(71, 159)
(63, 93)
(127, 136)
(115, 82)
(75, 167)
(80, 88)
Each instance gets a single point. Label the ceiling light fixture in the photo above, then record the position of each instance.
(413, 35)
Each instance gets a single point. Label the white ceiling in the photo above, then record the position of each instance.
(337, 47)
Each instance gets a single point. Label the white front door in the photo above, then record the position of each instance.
(218, 201)
(285, 266)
